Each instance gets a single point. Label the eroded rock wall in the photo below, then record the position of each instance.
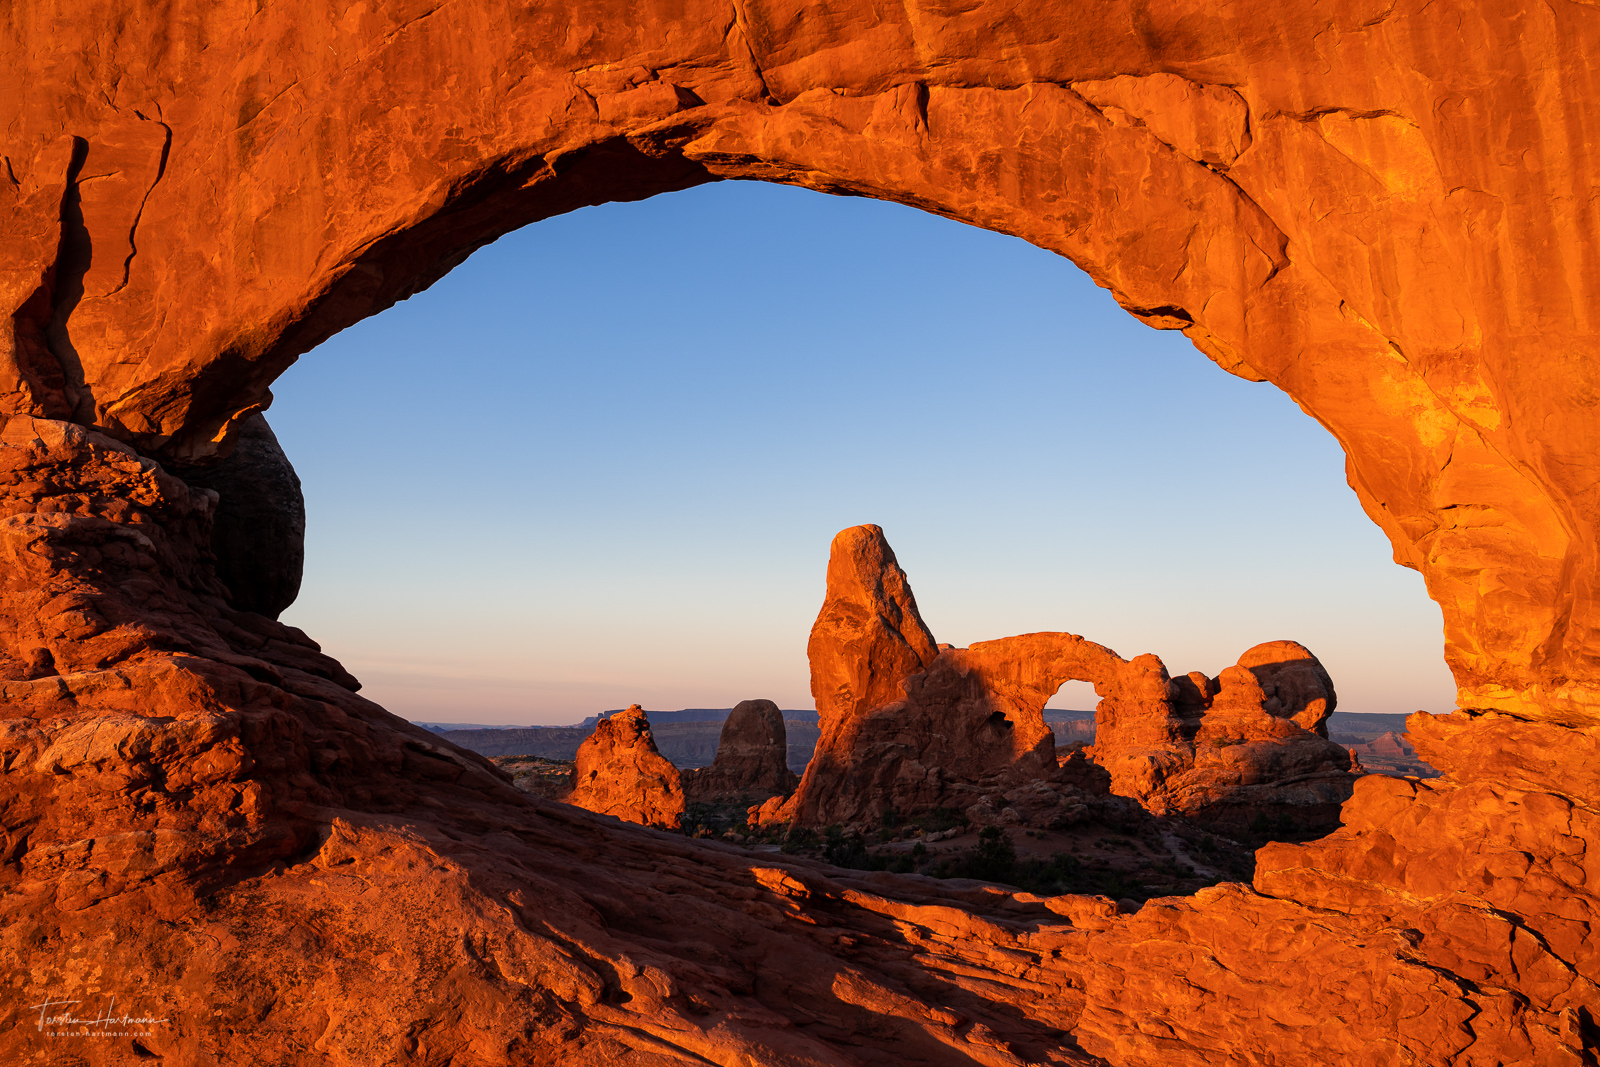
(1243, 751)
(965, 730)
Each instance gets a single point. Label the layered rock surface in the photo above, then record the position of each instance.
(1337, 203)
(334, 885)
(1384, 209)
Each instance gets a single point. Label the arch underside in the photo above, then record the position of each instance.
(1340, 203)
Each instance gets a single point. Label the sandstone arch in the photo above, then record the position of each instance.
(909, 732)
(1385, 209)
(350, 165)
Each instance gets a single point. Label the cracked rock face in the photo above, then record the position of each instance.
(1383, 209)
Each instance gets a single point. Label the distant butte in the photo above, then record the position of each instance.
(1387, 210)
(752, 757)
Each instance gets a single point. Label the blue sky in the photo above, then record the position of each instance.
(600, 463)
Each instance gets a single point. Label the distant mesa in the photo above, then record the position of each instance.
(696, 715)
(449, 727)
(688, 744)
(1390, 753)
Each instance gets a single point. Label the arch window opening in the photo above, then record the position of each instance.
(602, 459)
(1070, 713)
(600, 462)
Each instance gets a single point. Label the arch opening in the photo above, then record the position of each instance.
(901, 341)
(1070, 713)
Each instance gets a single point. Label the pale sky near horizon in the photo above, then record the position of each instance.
(600, 463)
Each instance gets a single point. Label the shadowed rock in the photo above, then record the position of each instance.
(259, 529)
(752, 757)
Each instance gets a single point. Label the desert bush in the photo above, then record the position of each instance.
(800, 839)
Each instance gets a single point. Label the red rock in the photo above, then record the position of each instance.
(1382, 209)
(752, 757)
(867, 639)
(130, 315)
(1255, 749)
(1294, 683)
(276, 826)
(967, 729)
(619, 772)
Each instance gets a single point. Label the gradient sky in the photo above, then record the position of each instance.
(600, 463)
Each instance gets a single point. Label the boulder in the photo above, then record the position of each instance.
(619, 772)
(752, 757)
(1293, 682)
(258, 535)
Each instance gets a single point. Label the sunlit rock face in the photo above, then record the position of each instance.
(868, 638)
(1246, 749)
(1383, 209)
(620, 772)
